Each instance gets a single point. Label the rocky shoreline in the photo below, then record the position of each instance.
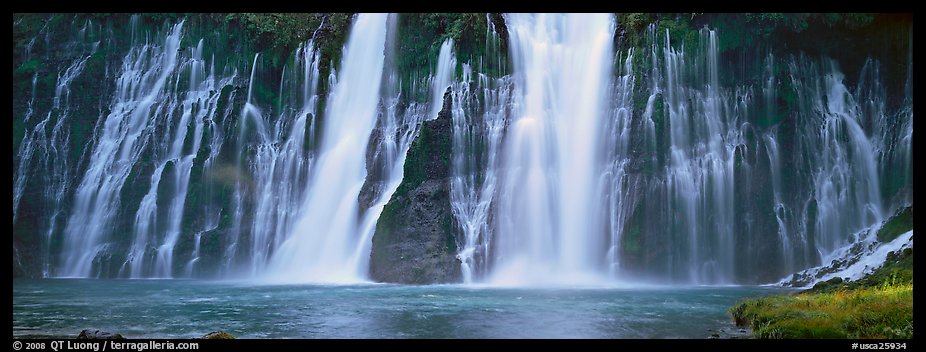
(97, 334)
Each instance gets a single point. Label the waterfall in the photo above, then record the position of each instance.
(771, 147)
(124, 133)
(479, 115)
(152, 252)
(445, 65)
(397, 130)
(324, 237)
(152, 112)
(478, 124)
(278, 165)
(703, 134)
(548, 224)
(846, 191)
(53, 152)
(580, 153)
(620, 188)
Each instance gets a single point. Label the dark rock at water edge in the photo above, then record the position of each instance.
(414, 241)
(218, 335)
(97, 334)
(729, 332)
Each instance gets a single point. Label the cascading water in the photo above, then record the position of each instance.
(278, 165)
(666, 160)
(324, 238)
(703, 134)
(845, 183)
(479, 113)
(774, 158)
(441, 80)
(618, 184)
(711, 155)
(397, 129)
(548, 223)
(152, 112)
(393, 129)
(477, 133)
(53, 149)
(198, 104)
(123, 134)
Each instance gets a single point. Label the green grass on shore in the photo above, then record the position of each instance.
(883, 312)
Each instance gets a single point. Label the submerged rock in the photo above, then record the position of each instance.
(218, 335)
(97, 334)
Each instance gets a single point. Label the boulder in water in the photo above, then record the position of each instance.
(97, 334)
(218, 335)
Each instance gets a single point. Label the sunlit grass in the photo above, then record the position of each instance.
(880, 312)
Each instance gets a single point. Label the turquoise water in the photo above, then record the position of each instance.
(187, 308)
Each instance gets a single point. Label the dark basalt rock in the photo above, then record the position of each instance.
(97, 334)
(414, 241)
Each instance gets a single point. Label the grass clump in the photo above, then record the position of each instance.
(879, 312)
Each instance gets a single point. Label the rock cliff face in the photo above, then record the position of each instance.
(414, 241)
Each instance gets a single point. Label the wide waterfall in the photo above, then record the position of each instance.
(555, 149)
(147, 91)
(693, 174)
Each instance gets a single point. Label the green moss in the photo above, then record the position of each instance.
(788, 95)
(414, 173)
(630, 242)
(447, 225)
(662, 124)
(26, 69)
(420, 155)
(385, 227)
(386, 222)
(276, 33)
(19, 132)
(418, 41)
(633, 22)
(239, 36)
(897, 225)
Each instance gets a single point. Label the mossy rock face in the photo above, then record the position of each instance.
(828, 284)
(897, 225)
(218, 335)
(415, 241)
